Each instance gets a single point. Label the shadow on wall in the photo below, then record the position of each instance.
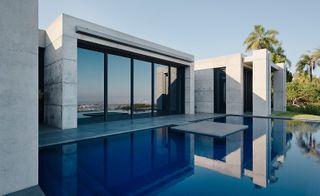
(234, 96)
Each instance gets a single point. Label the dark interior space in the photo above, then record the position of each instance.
(41, 84)
(220, 90)
(247, 89)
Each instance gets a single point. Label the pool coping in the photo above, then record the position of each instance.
(66, 136)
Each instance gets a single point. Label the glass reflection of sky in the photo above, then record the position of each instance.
(90, 76)
(118, 80)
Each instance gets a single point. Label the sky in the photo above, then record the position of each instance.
(204, 28)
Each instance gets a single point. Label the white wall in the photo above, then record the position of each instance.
(18, 95)
(204, 86)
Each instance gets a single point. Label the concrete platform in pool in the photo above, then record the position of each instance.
(210, 128)
(51, 136)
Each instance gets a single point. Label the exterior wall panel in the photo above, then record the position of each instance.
(18, 95)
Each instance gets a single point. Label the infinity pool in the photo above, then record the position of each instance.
(271, 157)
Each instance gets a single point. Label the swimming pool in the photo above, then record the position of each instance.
(271, 157)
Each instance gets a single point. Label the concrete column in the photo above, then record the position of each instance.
(261, 151)
(189, 90)
(60, 75)
(204, 91)
(279, 89)
(234, 85)
(18, 95)
(261, 80)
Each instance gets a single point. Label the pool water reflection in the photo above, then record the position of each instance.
(271, 157)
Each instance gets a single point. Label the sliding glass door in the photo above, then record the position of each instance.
(90, 86)
(114, 87)
(161, 89)
(119, 96)
(142, 88)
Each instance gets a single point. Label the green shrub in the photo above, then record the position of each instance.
(301, 91)
(309, 108)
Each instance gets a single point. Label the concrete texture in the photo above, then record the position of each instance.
(204, 83)
(234, 82)
(18, 95)
(260, 63)
(210, 128)
(279, 89)
(261, 83)
(61, 64)
(60, 75)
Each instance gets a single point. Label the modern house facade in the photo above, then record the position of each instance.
(92, 73)
(76, 72)
(238, 84)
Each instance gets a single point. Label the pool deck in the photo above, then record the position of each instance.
(49, 136)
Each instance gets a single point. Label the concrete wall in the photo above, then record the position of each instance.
(234, 83)
(279, 89)
(61, 65)
(189, 90)
(204, 86)
(261, 79)
(18, 95)
(60, 77)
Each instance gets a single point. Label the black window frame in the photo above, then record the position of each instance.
(132, 56)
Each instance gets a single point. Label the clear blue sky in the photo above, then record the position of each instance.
(204, 28)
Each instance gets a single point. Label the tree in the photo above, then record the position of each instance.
(261, 39)
(307, 62)
(266, 39)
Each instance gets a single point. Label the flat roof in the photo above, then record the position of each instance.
(101, 32)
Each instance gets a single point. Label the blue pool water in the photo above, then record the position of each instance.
(271, 157)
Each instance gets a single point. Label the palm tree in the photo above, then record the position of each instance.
(261, 39)
(308, 61)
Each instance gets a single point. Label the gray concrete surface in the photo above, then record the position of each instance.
(51, 136)
(261, 66)
(18, 95)
(210, 128)
(32, 191)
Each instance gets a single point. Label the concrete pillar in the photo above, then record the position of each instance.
(204, 85)
(261, 79)
(279, 89)
(60, 75)
(189, 90)
(18, 95)
(234, 85)
(261, 151)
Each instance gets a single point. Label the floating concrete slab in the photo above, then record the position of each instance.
(210, 128)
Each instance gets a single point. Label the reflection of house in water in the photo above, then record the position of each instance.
(257, 152)
(136, 163)
(148, 161)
